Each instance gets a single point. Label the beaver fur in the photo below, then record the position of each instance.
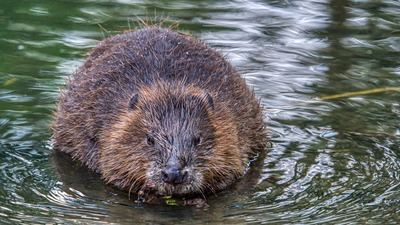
(147, 98)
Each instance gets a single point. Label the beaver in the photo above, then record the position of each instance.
(158, 109)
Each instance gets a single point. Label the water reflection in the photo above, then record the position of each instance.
(330, 161)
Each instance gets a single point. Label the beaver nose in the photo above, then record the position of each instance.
(173, 175)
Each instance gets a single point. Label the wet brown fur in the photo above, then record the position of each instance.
(94, 124)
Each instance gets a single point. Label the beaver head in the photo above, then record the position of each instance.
(174, 137)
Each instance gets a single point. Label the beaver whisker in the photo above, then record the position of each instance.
(200, 189)
(210, 188)
(133, 185)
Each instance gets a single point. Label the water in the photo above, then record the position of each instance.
(334, 161)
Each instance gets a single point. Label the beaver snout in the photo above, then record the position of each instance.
(174, 175)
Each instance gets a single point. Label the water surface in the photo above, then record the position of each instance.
(334, 161)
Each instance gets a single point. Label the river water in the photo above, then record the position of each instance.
(329, 161)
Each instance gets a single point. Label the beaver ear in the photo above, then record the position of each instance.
(133, 101)
(210, 100)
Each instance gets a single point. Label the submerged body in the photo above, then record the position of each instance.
(156, 109)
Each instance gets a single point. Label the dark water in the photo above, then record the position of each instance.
(334, 161)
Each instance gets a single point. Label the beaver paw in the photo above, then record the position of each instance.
(196, 202)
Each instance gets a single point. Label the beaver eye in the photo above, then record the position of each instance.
(196, 141)
(150, 140)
